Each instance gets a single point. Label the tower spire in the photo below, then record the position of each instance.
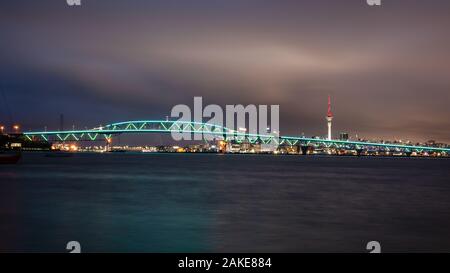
(329, 114)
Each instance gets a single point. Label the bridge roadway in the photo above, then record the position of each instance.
(220, 132)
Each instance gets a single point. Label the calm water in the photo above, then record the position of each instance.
(224, 203)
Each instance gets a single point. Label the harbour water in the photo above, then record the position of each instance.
(224, 203)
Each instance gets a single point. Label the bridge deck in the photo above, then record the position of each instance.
(214, 131)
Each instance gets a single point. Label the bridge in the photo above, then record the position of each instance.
(219, 132)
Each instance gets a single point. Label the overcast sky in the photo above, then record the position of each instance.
(387, 68)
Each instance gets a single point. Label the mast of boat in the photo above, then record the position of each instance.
(7, 109)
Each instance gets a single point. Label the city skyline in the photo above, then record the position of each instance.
(98, 64)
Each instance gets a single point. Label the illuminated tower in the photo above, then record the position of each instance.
(329, 117)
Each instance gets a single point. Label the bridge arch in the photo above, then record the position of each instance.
(167, 126)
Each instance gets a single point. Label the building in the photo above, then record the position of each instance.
(343, 136)
(329, 118)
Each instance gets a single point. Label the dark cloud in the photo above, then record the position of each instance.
(386, 68)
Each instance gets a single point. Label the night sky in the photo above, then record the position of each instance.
(387, 68)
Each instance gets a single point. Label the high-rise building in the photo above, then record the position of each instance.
(343, 136)
(329, 118)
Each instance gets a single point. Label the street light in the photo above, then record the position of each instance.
(16, 128)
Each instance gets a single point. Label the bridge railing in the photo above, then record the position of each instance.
(219, 132)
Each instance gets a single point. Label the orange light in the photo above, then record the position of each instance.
(16, 127)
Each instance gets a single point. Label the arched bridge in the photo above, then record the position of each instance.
(217, 131)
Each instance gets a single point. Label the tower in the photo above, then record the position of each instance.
(329, 117)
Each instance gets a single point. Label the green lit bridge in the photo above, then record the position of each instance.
(106, 133)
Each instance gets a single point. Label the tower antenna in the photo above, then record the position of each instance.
(329, 117)
(329, 114)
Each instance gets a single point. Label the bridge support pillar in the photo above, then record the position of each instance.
(304, 150)
(108, 144)
(359, 151)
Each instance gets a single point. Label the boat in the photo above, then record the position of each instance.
(10, 157)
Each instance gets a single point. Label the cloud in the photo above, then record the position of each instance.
(385, 68)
